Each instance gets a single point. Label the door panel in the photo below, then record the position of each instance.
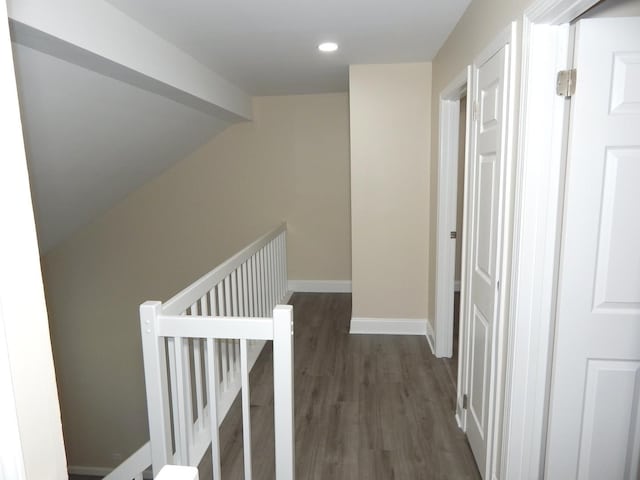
(610, 419)
(594, 418)
(479, 371)
(487, 166)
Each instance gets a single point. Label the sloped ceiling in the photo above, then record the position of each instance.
(92, 139)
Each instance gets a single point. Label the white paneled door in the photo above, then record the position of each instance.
(594, 414)
(487, 171)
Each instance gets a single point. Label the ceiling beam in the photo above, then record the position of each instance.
(96, 35)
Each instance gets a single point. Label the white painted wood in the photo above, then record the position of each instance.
(319, 286)
(260, 282)
(245, 291)
(282, 261)
(594, 412)
(258, 328)
(176, 472)
(156, 384)
(447, 210)
(217, 318)
(270, 270)
(556, 12)
(246, 410)
(182, 421)
(173, 391)
(463, 285)
(11, 461)
(283, 392)
(197, 362)
(234, 294)
(251, 286)
(539, 184)
(430, 334)
(84, 33)
(388, 326)
(214, 381)
(263, 284)
(487, 158)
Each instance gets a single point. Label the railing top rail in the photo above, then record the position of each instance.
(243, 328)
(187, 297)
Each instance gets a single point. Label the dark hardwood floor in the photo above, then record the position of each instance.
(368, 407)
(452, 363)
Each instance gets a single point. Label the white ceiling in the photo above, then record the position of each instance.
(91, 139)
(269, 47)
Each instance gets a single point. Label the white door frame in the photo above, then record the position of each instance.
(537, 216)
(446, 217)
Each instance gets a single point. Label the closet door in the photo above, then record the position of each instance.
(488, 157)
(594, 416)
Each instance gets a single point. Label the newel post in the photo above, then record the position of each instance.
(155, 378)
(283, 392)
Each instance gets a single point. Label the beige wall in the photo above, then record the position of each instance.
(390, 110)
(291, 163)
(480, 24)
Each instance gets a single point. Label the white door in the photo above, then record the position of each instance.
(594, 417)
(487, 172)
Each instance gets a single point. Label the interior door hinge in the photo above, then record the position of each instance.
(474, 112)
(465, 401)
(453, 235)
(566, 83)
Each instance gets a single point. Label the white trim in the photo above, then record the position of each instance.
(388, 326)
(285, 299)
(98, 471)
(447, 186)
(431, 339)
(556, 12)
(320, 286)
(537, 212)
(11, 460)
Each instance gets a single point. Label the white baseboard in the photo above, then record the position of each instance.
(431, 338)
(456, 285)
(287, 296)
(388, 326)
(459, 421)
(320, 286)
(97, 471)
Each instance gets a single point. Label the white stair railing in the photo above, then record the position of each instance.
(201, 345)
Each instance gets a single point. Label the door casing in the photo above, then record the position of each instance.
(441, 337)
(539, 188)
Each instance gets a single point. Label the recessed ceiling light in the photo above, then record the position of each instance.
(328, 47)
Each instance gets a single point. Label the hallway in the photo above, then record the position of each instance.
(366, 407)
